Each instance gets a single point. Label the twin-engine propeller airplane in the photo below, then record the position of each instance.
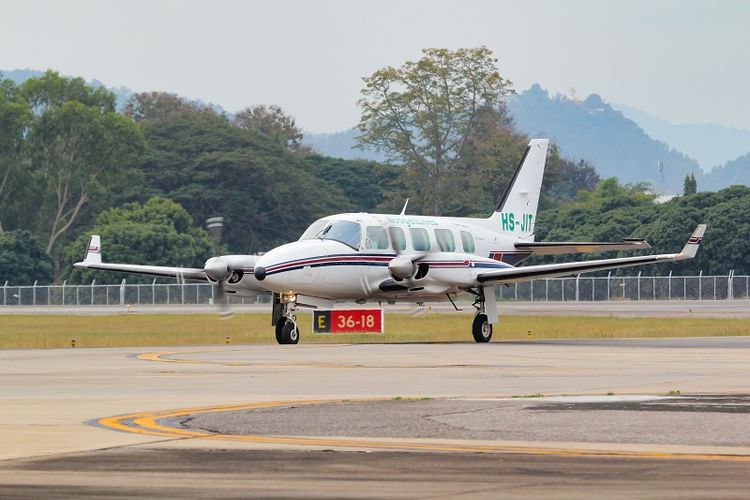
(403, 258)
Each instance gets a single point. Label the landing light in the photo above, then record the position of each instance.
(288, 297)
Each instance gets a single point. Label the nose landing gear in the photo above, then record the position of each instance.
(285, 322)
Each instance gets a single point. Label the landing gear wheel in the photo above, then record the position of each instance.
(481, 328)
(279, 326)
(289, 333)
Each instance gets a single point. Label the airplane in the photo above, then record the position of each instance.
(380, 258)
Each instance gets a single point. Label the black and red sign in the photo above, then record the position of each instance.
(348, 321)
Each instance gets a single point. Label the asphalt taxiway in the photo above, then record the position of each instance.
(559, 418)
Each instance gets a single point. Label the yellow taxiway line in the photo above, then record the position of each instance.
(153, 424)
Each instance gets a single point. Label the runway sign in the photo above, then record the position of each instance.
(348, 321)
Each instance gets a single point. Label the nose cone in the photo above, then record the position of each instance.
(260, 273)
(283, 268)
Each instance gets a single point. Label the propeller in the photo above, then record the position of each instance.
(217, 269)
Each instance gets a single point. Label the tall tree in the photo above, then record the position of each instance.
(422, 113)
(80, 147)
(272, 122)
(15, 116)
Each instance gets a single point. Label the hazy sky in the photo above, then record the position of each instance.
(686, 61)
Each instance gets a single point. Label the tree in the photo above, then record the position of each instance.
(80, 148)
(155, 107)
(272, 122)
(23, 260)
(159, 232)
(266, 194)
(15, 116)
(690, 185)
(422, 113)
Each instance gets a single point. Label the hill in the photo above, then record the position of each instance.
(594, 131)
(710, 144)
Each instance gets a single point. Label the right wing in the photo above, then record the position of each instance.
(528, 273)
(93, 260)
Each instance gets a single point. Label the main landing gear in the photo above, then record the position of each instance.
(481, 328)
(285, 322)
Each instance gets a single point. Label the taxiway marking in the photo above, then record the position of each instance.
(153, 424)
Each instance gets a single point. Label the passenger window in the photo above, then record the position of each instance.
(377, 238)
(467, 241)
(445, 240)
(419, 239)
(398, 238)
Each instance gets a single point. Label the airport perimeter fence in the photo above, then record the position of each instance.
(582, 288)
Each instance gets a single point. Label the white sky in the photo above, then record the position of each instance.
(683, 60)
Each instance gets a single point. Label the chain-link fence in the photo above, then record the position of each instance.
(581, 288)
(598, 288)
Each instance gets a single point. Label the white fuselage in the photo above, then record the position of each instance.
(452, 252)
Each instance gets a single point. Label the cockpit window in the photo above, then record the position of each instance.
(312, 231)
(376, 238)
(345, 231)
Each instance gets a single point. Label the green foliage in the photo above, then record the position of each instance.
(159, 232)
(64, 152)
(267, 194)
(22, 259)
(15, 116)
(272, 122)
(690, 185)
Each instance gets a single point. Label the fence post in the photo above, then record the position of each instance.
(623, 287)
(639, 285)
(714, 287)
(92, 291)
(546, 289)
(153, 292)
(138, 294)
(122, 292)
(5, 293)
(669, 286)
(532, 290)
(63, 292)
(608, 290)
(577, 296)
(33, 293)
(515, 292)
(730, 282)
(562, 287)
(78, 295)
(700, 285)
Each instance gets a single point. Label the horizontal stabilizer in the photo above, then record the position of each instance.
(564, 247)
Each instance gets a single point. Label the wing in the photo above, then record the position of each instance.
(93, 260)
(563, 247)
(528, 273)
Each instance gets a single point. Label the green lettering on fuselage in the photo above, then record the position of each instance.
(511, 223)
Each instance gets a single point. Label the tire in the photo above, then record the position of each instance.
(279, 326)
(289, 333)
(481, 328)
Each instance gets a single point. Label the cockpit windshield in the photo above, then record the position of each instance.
(315, 228)
(345, 231)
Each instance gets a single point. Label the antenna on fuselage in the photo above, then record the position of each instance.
(403, 210)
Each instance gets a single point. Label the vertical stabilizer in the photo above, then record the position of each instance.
(516, 211)
(94, 251)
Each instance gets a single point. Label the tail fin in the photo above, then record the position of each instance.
(691, 247)
(94, 250)
(516, 211)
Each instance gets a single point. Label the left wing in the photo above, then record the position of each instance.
(93, 260)
(528, 273)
